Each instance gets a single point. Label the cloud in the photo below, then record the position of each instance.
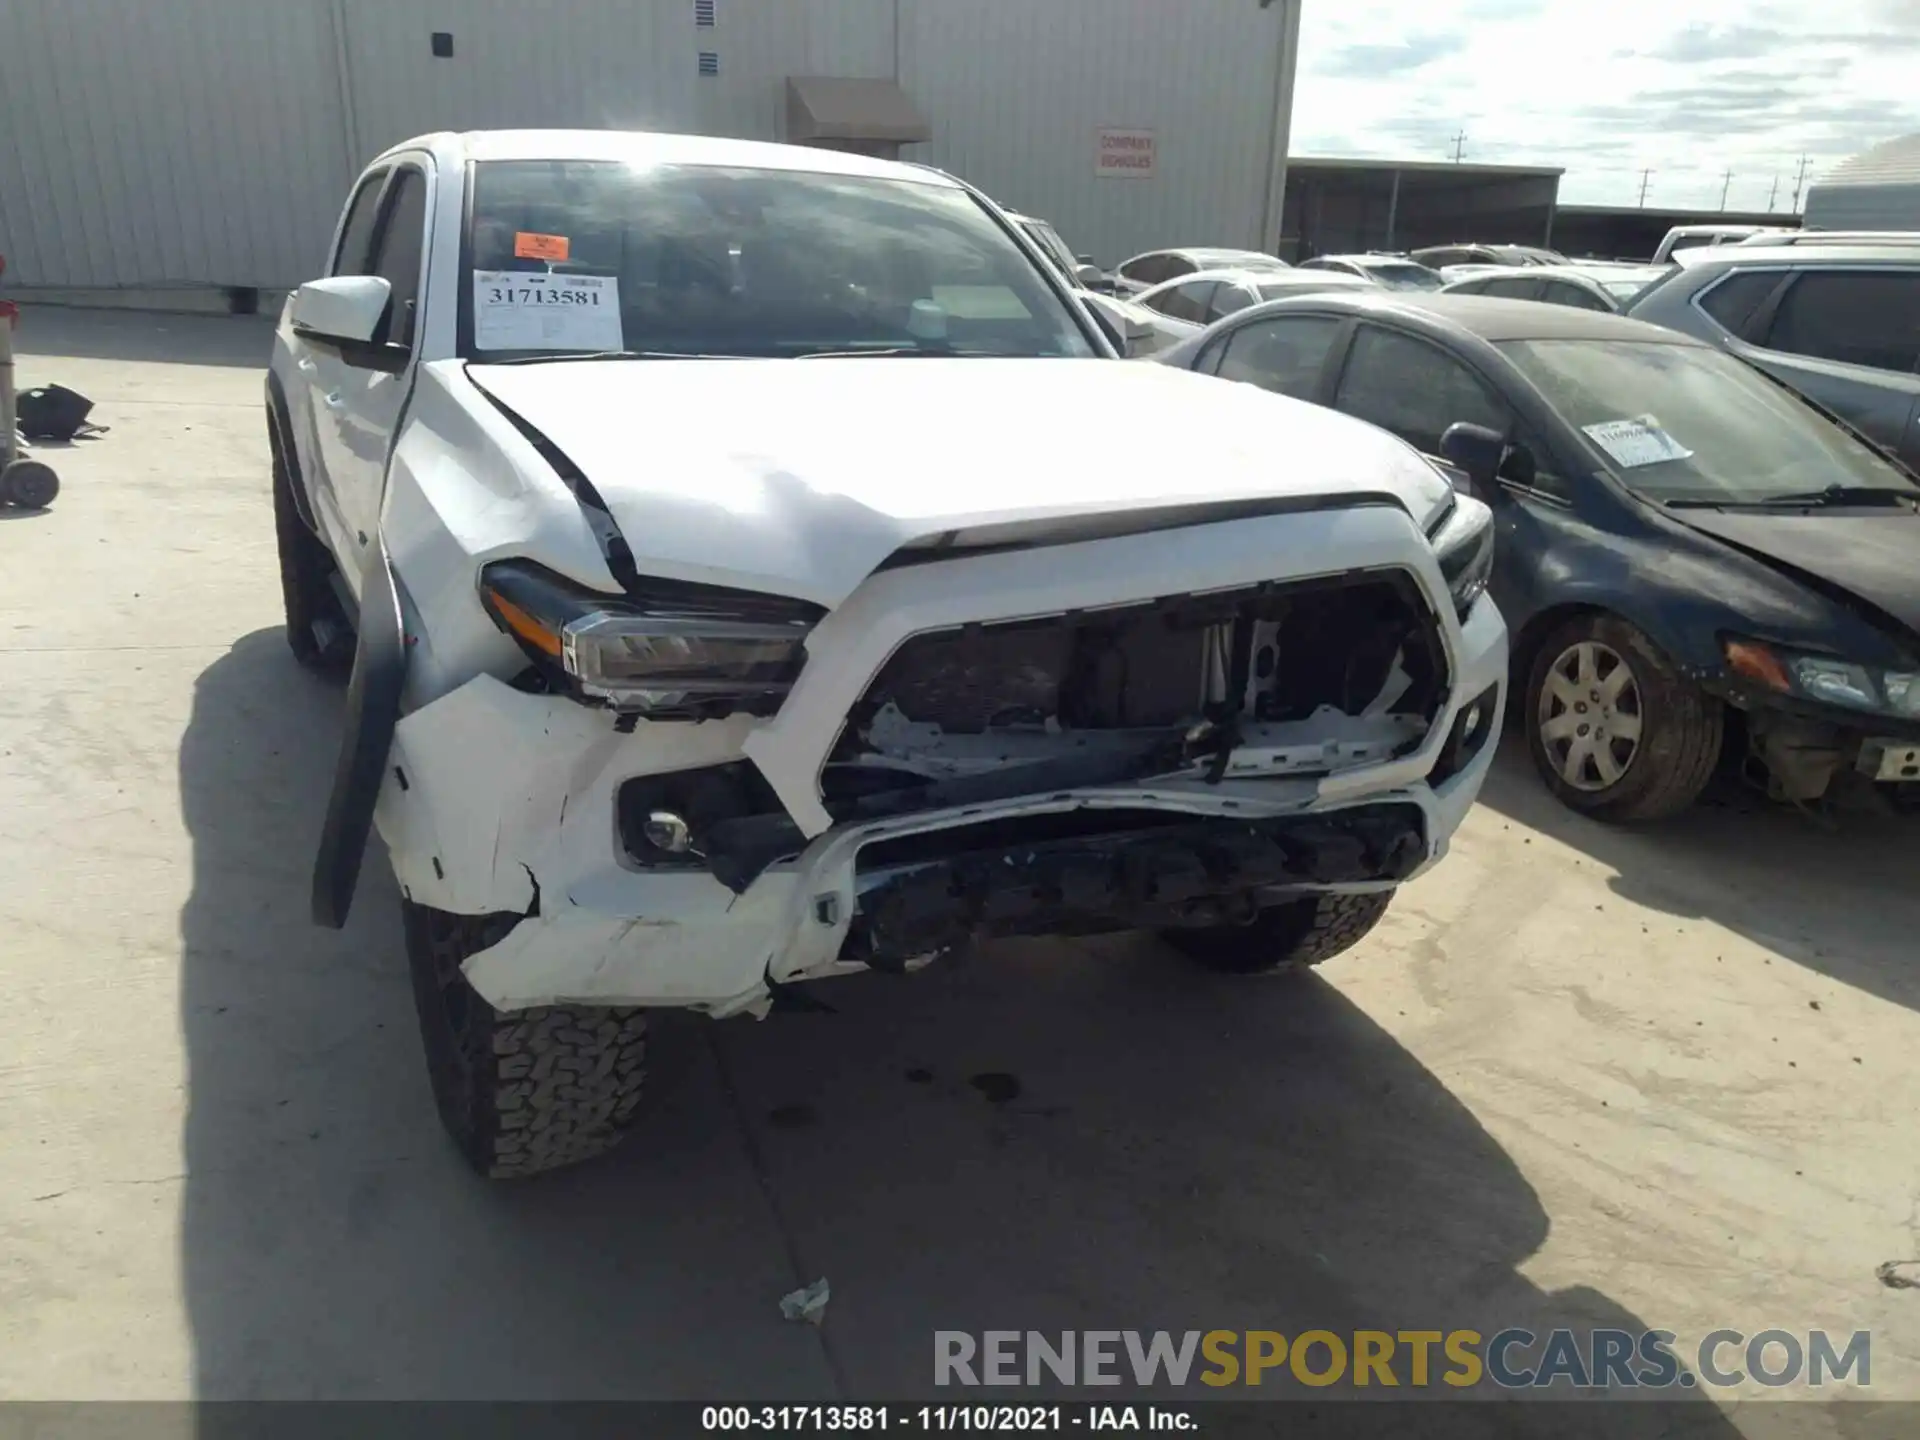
(1705, 43)
(1674, 86)
(1372, 61)
(1717, 42)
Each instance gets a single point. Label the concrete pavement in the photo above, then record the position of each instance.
(1580, 1076)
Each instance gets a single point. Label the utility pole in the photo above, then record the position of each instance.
(1646, 177)
(1774, 193)
(1459, 146)
(1799, 181)
(1726, 184)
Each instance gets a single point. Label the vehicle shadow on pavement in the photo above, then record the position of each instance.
(1048, 1136)
(1834, 895)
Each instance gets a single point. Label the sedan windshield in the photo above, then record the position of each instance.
(1686, 423)
(1402, 275)
(576, 257)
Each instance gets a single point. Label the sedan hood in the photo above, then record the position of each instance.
(801, 477)
(1873, 557)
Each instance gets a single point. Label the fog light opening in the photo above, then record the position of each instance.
(666, 831)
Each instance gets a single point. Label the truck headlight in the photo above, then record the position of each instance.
(1826, 679)
(674, 650)
(1464, 547)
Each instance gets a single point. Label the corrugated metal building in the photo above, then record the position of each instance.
(162, 143)
(1878, 189)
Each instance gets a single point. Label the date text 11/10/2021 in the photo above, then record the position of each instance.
(938, 1419)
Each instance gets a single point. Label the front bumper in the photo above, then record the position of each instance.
(1805, 743)
(499, 801)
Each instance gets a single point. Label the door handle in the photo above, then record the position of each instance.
(307, 367)
(335, 400)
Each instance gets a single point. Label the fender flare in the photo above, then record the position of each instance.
(373, 710)
(279, 422)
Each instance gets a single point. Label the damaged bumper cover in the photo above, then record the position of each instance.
(1160, 876)
(501, 801)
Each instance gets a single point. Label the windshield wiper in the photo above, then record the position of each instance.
(563, 355)
(1805, 500)
(892, 352)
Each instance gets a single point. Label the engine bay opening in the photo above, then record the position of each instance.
(1314, 675)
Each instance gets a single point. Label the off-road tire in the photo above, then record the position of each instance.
(1285, 938)
(29, 484)
(525, 1091)
(1682, 728)
(311, 606)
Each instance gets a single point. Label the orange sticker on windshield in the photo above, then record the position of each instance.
(529, 246)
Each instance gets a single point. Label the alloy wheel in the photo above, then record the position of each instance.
(1590, 716)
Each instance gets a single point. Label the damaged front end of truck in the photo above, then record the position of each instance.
(952, 759)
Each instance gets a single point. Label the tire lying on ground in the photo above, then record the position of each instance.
(1286, 938)
(1614, 728)
(29, 484)
(525, 1091)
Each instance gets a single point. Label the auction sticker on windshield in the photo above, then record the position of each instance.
(545, 312)
(1636, 442)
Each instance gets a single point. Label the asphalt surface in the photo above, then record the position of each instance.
(1579, 1077)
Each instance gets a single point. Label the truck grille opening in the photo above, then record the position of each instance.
(1275, 663)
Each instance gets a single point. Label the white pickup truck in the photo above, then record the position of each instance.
(728, 608)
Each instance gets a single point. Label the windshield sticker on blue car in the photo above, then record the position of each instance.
(515, 311)
(1636, 442)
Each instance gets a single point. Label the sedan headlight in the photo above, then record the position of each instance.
(1464, 546)
(1826, 679)
(672, 650)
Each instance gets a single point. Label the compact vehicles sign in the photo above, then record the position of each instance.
(1121, 154)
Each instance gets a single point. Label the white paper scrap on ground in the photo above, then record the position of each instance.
(1636, 442)
(514, 311)
(808, 1304)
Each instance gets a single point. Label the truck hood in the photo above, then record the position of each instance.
(1867, 557)
(801, 477)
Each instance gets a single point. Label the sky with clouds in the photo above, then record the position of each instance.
(1687, 88)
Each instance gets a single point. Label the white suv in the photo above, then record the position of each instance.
(730, 608)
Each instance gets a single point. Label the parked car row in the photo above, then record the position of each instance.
(1708, 530)
(1584, 286)
(1691, 555)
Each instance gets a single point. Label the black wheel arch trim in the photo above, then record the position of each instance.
(373, 711)
(279, 421)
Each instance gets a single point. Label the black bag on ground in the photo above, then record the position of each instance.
(52, 412)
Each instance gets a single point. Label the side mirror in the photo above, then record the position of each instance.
(1090, 277)
(342, 309)
(1084, 259)
(1120, 327)
(347, 312)
(1476, 452)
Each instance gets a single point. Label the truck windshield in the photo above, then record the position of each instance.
(581, 257)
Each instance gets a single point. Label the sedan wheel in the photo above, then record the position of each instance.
(1617, 731)
(1590, 716)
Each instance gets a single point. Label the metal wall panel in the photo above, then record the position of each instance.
(617, 64)
(1864, 207)
(761, 44)
(1018, 89)
(152, 142)
(163, 142)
